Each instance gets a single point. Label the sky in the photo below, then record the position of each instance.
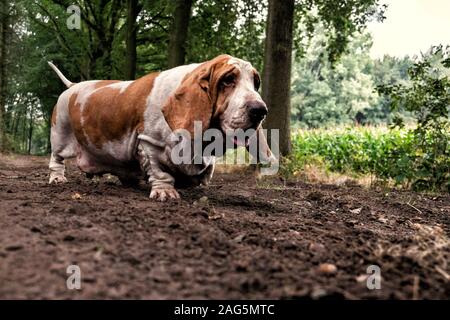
(411, 27)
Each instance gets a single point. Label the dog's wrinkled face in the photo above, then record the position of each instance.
(239, 104)
(221, 93)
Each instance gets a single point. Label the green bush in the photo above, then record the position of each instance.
(427, 97)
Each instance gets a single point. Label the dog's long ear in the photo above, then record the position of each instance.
(261, 150)
(196, 97)
(190, 102)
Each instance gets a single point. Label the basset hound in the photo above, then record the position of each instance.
(125, 127)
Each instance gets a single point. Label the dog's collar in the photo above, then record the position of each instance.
(151, 140)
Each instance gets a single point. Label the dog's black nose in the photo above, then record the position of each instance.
(257, 110)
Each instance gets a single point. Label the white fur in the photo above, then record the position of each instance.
(122, 86)
(236, 115)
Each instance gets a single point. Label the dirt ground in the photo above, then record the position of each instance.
(247, 239)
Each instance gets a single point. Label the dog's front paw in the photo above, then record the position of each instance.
(57, 178)
(164, 193)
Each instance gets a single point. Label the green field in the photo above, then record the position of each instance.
(390, 155)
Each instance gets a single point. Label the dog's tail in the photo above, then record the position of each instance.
(61, 76)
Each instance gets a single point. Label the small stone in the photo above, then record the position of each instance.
(98, 255)
(76, 196)
(239, 238)
(213, 215)
(317, 247)
(356, 211)
(327, 268)
(203, 199)
(362, 278)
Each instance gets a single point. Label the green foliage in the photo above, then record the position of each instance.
(364, 150)
(98, 49)
(326, 95)
(227, 26)
(388, 70)
(386, 154)
(341, 20)
(427, 97)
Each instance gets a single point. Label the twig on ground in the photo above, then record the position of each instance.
(409, 204)
(443, 273)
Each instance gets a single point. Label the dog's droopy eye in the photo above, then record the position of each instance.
(229, 80)
(257, 82)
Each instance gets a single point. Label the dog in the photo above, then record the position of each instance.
(125, 127)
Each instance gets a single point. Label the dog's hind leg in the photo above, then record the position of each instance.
(62, 148)
(63, 142)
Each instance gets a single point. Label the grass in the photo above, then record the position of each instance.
(369, 154)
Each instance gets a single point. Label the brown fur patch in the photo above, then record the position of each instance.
(75, 119)
(108, 114)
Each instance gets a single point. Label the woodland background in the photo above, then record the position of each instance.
(125, 39)
(313, 55)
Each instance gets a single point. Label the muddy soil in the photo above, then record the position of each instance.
(237, 238)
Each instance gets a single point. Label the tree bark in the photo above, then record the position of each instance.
(133, 10)
(179, 33)
(30, 130)
(277, 69)
(4, 25)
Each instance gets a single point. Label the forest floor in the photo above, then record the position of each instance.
(270, 239)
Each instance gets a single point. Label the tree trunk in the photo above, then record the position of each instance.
(30, 130)
(4, 14)
(179, 32)
(131, 54)
(277, 69)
